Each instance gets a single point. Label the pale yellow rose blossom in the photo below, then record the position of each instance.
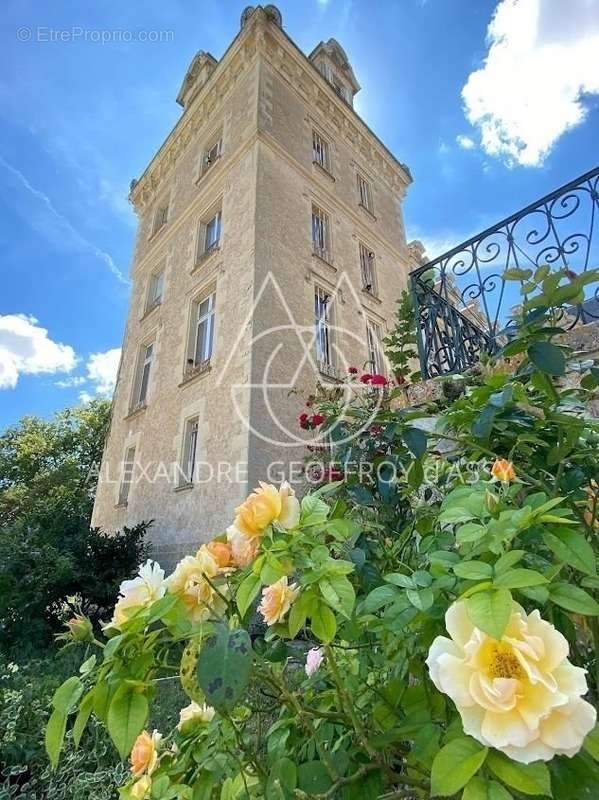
(142, 590)
(520, 694)
(189, 582)
(276, 600)
(144, 755)
(141, 788)
(195, 713)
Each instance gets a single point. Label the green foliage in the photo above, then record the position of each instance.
(400, 344)
(353, 688)
(48, 553)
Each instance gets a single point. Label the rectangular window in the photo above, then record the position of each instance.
(212, 154)
(155, 290)
(202, 333)
(209, 235)
(322, 329)
(190, 448)
(365, 193)
(160, 218)
(321, 151)
(367, 269)
(127, 476)
(374, 341)
(142, 378)
(321, 240)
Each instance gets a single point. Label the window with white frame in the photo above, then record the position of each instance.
(142, 377)
(212, 154)
(374, 341)
(209, 235)
(367, 269)
(190, 450)
(322, 328)
(160, 217)
(321, 151)
(127, 475)
(321, 237)
(365, 193)
(202, 332)
(155, 289)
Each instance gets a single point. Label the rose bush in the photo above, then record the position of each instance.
(424, 626)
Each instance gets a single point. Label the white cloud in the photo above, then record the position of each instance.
(25, 348)
(67, 383)
(542, 59)
(44, 217)
(465, 142)
(102, 370)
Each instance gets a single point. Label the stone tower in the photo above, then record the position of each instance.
(269, 256)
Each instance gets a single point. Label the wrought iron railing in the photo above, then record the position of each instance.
(464, 306)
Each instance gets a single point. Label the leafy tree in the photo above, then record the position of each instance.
(48, 552)
(401, 342)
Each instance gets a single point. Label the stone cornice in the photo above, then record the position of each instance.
(260, 35)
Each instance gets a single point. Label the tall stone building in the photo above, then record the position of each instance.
(270, 253)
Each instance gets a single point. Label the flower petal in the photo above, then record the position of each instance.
(439, 647)
(566, 727)
(458, 623)
(506, 728)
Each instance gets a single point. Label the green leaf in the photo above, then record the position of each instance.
(85, 709)
(473, 570)
(490, 611)
(573, 599)
(515, 274)
(415, 474)
(379, 597)
(282, 779)
(470, 532)
(313, 777)
(508, 560)
(224, 666)
(547, 357)
(67, 695)
(323, 623)
(455, 764)
(572, 548)
(517, 578)
(422, 599)
(55, 735)
(399, 579)
(526, 778)
(481, 789)
(127, 716)
(415, 440)
(314, 511)
(339, 594)
(247, 592)
(591, 743)
(298, 613)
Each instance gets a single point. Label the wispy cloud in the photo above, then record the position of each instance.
(26, 348)
(542, 61)
(102, 369)
(465, 142)
(50, 222)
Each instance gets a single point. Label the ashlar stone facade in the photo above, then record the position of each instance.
(270, 242)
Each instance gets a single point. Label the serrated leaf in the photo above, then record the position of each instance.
(473, 570)
(422, 599)
(323, 623)
(224, 666)
(574, 599)
(526, 778)
(508, 560)
(378, 598)
(247, 592)
(127, 714)
(490, 611)
(547, 357)
(455, 764)
(518, 578)
(572, 548)
(339, 593)
(67, 695)
(481, 789)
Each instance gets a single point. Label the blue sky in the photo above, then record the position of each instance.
(80, 118)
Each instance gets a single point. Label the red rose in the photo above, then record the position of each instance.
(352, 370)
(366, 377)
(308, 404)
(318, 419)
(378, 380)
(303, 421)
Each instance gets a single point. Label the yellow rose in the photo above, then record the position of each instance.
(144, 755)
(276, 600)
(188, 581)
(141, 788)
(503, 470)
(220, 552)
(194, 713)
(243, 550)
(264, 506)
(519, 695)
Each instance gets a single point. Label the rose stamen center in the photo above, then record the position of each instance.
(504, 664)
